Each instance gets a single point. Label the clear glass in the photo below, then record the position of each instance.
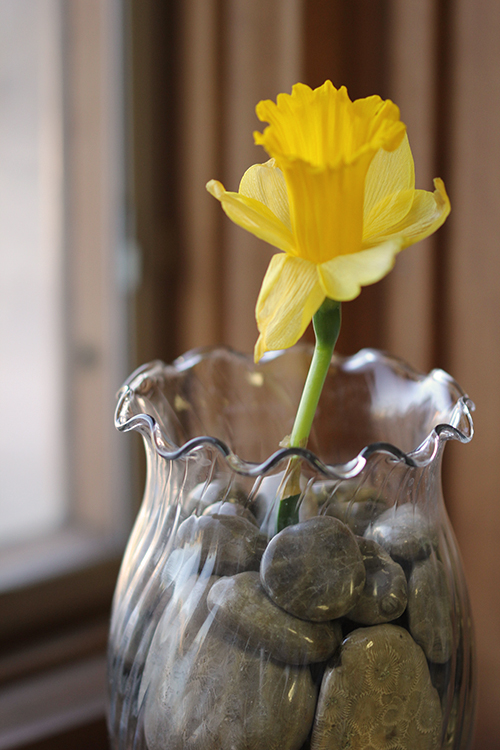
(351, 627)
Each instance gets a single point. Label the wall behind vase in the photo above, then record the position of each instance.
(198, 69)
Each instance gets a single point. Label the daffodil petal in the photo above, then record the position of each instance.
(389, 188)
(343, 277)
(289, 297)
(377, 121)
(427, 213)
(324, 127)
(253, 216)
(266, 184)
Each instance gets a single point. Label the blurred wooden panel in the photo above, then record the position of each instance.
(154, 92)
(347, 43)
(233, 54)
(261, 57)
(199, 140)
(474, 332)
(409, 324)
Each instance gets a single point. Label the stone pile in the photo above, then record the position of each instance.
(323, 636)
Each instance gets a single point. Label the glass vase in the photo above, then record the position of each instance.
(348, 628)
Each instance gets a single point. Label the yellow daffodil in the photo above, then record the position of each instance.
(337, 198)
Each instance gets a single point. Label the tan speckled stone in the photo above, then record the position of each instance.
(378, 695)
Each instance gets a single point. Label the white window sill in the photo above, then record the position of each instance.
(55, 554)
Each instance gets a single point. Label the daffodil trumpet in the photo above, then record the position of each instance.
(338, 200)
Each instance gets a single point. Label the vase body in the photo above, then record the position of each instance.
(350, 627)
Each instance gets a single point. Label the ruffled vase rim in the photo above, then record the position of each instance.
(458, 427)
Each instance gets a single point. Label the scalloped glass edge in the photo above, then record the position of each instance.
(461, 415)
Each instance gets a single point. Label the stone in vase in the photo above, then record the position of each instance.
(208, 493)
(229, 508)
(429, 610)
(385, 593)
(245, 612)
(357, 507)
(314, 569)
(377, 694)
(404, 532)
(218, 696)
(226, 544)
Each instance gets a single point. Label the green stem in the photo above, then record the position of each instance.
(326, 324)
